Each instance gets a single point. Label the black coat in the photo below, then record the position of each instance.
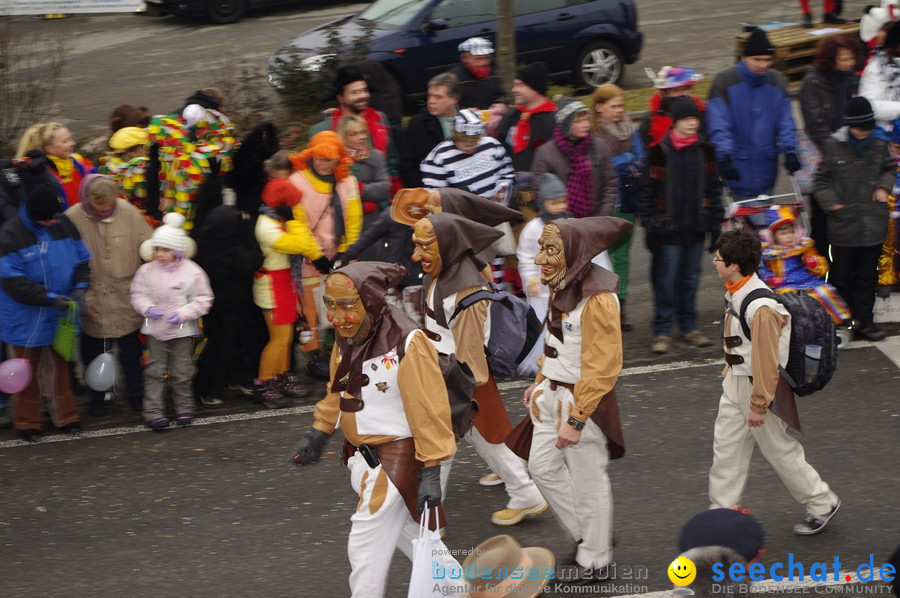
(236, 332)
(423, 133)
(821, 98)
(398, 246)
(478, 93)
(680, 196)
(847, 179)
(542, 125)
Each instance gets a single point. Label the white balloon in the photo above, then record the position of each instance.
(100, 375)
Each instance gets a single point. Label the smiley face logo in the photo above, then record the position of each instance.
(682, 571)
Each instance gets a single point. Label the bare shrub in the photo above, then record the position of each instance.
(249, 99)
(30, 71)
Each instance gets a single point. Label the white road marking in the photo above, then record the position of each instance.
(203, 421)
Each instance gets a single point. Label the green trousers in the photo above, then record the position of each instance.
(618, 254)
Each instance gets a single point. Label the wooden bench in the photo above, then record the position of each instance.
(795, 47)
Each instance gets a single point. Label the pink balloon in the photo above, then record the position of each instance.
(15, 375)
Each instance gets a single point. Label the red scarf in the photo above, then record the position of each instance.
(679, 143)
(479, 73)
(522, 137)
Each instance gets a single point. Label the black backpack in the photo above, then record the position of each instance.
(813, 351)
(514, 329)
(460, 383)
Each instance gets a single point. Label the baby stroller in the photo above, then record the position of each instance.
(748, 214)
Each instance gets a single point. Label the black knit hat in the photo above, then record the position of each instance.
(534, 76)
(43, 202)
(859, 114)
(758, 44)
(682, 107)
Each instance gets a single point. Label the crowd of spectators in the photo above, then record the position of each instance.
(270, 225)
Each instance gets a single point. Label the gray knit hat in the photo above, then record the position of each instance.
(550, 187)
(566, 110)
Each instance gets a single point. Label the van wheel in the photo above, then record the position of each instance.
(599, 63)
(225, 11)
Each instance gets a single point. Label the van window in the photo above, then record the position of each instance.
(465, 12)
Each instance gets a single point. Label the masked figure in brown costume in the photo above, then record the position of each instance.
(573, 403)
(448, 247)
(387, 395)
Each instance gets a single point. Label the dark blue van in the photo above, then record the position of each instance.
(587, 42)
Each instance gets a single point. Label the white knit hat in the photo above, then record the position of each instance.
(171, 235)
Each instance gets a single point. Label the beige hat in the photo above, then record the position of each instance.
(502, 554)
(408, 206)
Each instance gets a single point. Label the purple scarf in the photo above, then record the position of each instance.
(579, 186)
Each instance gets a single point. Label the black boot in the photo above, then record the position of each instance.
(807, 21)
(834, 19)
(74, 385)
(623, 318)
(318, 364)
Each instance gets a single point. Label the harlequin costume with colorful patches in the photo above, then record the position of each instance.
(797, 266)
(395, 407)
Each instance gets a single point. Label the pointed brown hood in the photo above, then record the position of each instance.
(459, 241)
(389, 325)
(409, 205)
(475, 207)
(583, 239)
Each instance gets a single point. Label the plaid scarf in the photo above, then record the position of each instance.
(579, 186)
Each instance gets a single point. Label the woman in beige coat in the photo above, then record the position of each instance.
(112, 230)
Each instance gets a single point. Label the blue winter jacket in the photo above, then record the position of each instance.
(748, 118)
(36, 265)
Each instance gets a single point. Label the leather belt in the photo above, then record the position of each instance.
(550, 351)
(732, 359)
(351, 405)
(554, 384)
(733, 341)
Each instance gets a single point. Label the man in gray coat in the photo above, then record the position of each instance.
(853, 182)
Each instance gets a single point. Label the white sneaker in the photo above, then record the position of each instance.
(491, 479)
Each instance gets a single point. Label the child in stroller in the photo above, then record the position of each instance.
(790, 263)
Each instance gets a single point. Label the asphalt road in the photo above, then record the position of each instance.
(213, 510)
